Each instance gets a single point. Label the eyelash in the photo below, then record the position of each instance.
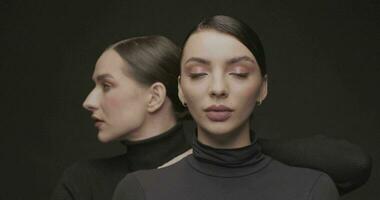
(197, 75)
(240, 75)
(106, 87)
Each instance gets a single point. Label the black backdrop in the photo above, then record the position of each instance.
(323, 64)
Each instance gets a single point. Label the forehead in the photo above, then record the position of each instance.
(109, 62)
(212, 44)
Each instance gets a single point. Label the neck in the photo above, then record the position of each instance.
(153, 125)
(239, 137)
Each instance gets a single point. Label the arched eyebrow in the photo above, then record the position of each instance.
(241, 58)
(229, 61)
(198, 60)
(101, 77)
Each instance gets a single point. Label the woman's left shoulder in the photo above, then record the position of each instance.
(323, 188)
(291, 170)
(316, 184)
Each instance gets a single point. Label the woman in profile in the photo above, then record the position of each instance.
(223, 79)
(135, 101)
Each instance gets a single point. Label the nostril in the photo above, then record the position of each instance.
(221, 93)
(86, 105)
(89, 107)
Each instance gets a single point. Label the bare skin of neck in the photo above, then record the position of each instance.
(154, 124)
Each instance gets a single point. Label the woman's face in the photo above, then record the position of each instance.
(220, 82)
(117, 102)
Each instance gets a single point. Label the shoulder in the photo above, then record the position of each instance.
(82, 179)
(148, 180)
(82, 172)
(79, 180)
(292, 171)
(323, 188)
(169, 172)
(129, 189)
(313, 184)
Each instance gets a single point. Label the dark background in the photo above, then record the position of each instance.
(323, 64)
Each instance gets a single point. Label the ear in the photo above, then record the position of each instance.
(157, 96)
(180, 94)
(263, 89)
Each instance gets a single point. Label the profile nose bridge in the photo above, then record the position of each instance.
(90, 103)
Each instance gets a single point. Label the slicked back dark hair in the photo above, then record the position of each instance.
(237, 29)
(152, 59)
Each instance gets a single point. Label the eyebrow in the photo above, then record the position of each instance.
(197, 59)
(230, 61)
(241, 58)
(102, 77)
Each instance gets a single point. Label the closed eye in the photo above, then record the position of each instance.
(197, 75)
(106, 87)
(240, 75)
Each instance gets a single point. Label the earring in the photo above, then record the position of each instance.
(258, 103)
(184, 104)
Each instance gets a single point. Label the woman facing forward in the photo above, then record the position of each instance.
(223, 78)
(135, 101)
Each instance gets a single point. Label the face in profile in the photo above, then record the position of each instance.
(117, 102)
(220, 82)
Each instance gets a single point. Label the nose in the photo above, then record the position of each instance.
(218, 87)
(91, 102)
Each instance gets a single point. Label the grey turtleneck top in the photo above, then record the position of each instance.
(228, 174)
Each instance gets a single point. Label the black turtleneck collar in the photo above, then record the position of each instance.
(155, 151)
(228, 162)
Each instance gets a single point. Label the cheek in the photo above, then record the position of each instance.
(119, 101)
(246, 94)
(193, 92)
(124, 110)
(113, 102)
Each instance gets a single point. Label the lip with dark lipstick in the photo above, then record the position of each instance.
(218, 113)
(98, 121)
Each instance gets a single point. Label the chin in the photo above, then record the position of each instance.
(218, 128)
(105, 137)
